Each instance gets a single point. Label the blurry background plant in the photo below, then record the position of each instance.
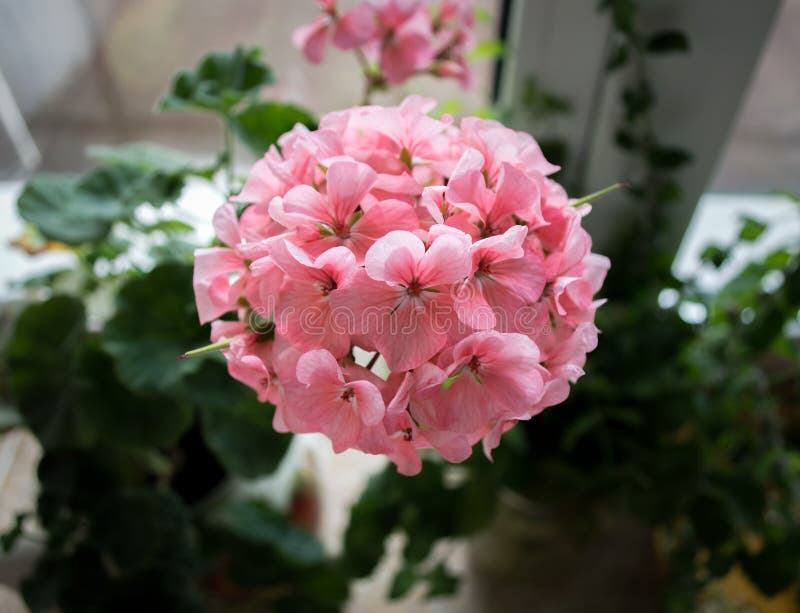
(142, 453)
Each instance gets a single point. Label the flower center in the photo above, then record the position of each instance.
(474, 364)
(414, 288)
(347, 394)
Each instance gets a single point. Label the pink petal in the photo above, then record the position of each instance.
(355, 27)
(310, 39)
(394, 257)
(368, 401)
(226, 225)
(211, 269)
(319, 368)
(446, 261)
(347, 184)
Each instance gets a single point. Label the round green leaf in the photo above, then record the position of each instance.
(242, 437)
(261, 124)
(155, 322)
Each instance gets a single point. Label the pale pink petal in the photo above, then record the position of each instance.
(310, 39)
(368, 402)
(226, 225)
(317, 368)
(446, 261)
(394, 257)
(347, 184)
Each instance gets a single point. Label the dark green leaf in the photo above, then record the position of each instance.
(668, 158)
(142, 528)
(667, 41)
(10, 538)
(242, 437)
(625, 139)
(123, 417)
(403, 581)
(777, 566)
(751, 229)
(637, 99)
(44, 358)
(261, 124)
(256, 523)
(541, 103)
(618, 57)
(441, 582)
(155, 322)
(219, 82)
(714, 254)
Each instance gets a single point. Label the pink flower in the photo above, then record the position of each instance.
(401, 37)
(504, 279)
(516, 198)
(345, 215)
(304, 312)
(490, 376)
(402, 299)
(339, 408)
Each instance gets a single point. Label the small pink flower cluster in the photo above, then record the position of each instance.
(402, 37)
(445, 248)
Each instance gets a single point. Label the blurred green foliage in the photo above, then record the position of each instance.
(139, 447)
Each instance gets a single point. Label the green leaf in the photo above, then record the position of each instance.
(618, 57)
(488, 49)
(149, 157)
(155, 322)
(242, 437)
(637, 99)
(170, 227)
(751, 229)
(10, 538)
(668, 158)
(793, 196)
(78, 210)
(541, 103)
(258, 524)
(219, 82)
(43, 356)
(123, 417)
(403, 581)
(441, 582)
(667, 41)
(143, 529)
(777, 566)
(262, 123)
(714, 254)
(625, 139)
(53, 204)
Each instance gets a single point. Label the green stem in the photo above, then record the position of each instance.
(228, 157)
(599, 194)
(219, 345)
(368, 78)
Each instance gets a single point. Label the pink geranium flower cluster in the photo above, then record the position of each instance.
(402, 38)
(444, 247)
